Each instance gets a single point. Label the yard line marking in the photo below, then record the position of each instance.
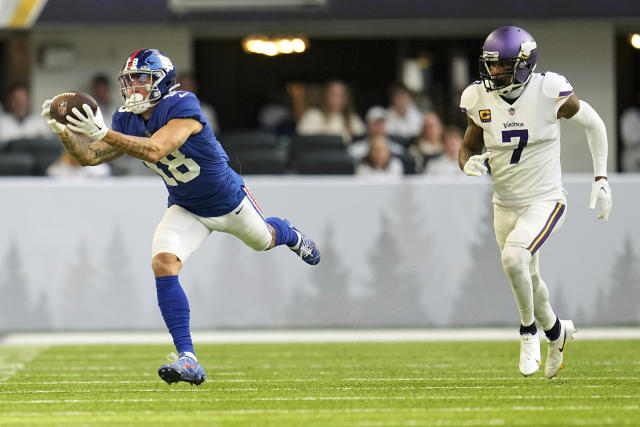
(338, 398)
(265, 389)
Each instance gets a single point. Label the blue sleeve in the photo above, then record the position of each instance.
(184, 105)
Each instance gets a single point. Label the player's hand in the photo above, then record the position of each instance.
(89, 124)
(600, 190)
(475, 165)
(46, 113)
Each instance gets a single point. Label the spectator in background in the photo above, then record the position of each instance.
(17, 122)
(376, 126)
(429, 143)
(447, 164)
(188, 82)
(336, 115)
(630, 136)
(275, 116)
(67, 167)
(101, 91)
(404, 119)
(379, 164)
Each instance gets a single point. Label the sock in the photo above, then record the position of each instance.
(554, 333)
(285, 235)
(174, 307)
(531, 329)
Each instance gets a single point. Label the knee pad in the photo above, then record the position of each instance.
(515, 259)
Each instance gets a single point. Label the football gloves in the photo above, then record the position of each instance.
(600, 190)
(475, 165)
(46, 113)
(91, 125)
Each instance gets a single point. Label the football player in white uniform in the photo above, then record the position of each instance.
(515, 113)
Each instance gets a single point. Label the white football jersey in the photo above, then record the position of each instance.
(523, 138)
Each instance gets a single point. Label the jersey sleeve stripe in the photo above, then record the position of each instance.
(565, 93)
(464, 110)
(547, 229)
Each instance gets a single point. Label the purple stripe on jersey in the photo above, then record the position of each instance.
(464, 110)
(565, 93)
(547, 229)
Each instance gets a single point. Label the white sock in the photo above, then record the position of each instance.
(191, 355)
(297, 245)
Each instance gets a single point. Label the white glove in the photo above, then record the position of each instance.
(600, 190)
(46, 113)
(91, 125)
(475, 165)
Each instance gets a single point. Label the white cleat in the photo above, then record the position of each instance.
(556, 349)
(530, 359)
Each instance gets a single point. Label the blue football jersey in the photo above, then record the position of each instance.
(197, 175)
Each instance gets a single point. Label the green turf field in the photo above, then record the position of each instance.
(371, 384)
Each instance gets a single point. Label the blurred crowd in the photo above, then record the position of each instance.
(326, 137)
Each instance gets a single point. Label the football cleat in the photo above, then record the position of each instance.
(530, 359)
(308, 250)
(184, 368)
(555, 351)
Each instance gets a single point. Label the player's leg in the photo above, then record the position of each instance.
(177, 236)
(505, 221)
(535, 225)
(557, 331)
(543, 312)
(259, 233)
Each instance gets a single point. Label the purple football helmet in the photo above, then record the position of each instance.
(508, 58)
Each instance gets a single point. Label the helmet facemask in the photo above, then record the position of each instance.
(133, 82)
(513, 72)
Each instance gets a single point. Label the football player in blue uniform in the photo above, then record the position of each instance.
(166, 129)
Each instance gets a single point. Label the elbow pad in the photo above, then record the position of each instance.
(590, 121)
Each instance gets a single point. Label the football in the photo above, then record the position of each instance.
(63, 104)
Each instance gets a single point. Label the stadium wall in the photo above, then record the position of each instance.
(76, 255)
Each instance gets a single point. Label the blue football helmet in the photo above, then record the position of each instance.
(515, 51)
(151, 71)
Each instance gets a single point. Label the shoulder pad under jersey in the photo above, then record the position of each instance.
(555, 85)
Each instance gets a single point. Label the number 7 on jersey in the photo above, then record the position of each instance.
(523, 138)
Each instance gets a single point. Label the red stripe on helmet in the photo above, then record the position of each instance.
(133, 55)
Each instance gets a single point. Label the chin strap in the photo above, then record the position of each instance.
(590, 121)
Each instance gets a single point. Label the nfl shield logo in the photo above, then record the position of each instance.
(62, 108)
(512, 111)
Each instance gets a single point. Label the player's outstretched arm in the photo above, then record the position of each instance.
(469, 158)
(583, 115)
(166, 140)
(82, 148)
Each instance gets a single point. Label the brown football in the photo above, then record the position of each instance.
(62, 105)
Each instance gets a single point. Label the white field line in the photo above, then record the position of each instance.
(518, 380)
(393, 411)
(307, 336)
(262, 390)
(327, 398)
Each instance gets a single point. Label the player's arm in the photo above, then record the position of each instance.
(165, 141)
(583, 115)
(86, 151)
(469, 158)
(83, 149)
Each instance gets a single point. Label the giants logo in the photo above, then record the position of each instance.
(485, 116)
